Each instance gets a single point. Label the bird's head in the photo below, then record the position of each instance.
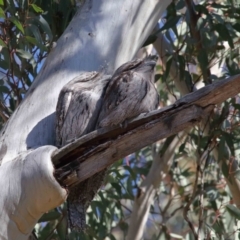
(151, 61)
(147, 65)
(144, 65)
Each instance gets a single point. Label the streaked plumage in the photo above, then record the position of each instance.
(78, 108)
(130, 92)
(92, 100)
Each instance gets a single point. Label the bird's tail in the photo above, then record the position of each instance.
(76, 216)
(79, 199)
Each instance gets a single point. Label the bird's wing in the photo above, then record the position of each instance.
(78, 119)
(63, 103)
(80, 197)
(123, 99)
(77, 107)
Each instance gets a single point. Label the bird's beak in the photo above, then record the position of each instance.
(151, 60)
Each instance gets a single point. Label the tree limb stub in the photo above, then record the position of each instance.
(92, 153)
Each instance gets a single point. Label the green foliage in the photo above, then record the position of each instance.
(27, 32)
(204, 37)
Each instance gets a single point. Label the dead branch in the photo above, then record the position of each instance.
(92, 153)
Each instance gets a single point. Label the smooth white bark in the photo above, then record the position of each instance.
(29, 190)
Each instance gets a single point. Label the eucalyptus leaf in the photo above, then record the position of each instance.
(233, 210)
(31, 40)
(170, 23)
(2, 43)
(36, 8)
(236, 26)
(45, 27)
(2, 14)
(203, 60)
(151, 39)
(62, 228)
(4, 89)
(24, 54)
(224, 33)
(53, 215)
(16, 22)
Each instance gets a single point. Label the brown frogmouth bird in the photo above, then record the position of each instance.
(93, 100)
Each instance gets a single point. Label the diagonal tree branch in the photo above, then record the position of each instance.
(162, 159)
(99, 149)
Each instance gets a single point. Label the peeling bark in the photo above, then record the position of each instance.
(30, 192)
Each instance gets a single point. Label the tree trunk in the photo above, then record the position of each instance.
(102, 35)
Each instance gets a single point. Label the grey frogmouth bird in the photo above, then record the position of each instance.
(130, 92)
(94, 100)
(78, 107)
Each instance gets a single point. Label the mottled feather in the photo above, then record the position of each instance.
(130, 92)
(81, 105)
(77, 111)
(78, 106)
